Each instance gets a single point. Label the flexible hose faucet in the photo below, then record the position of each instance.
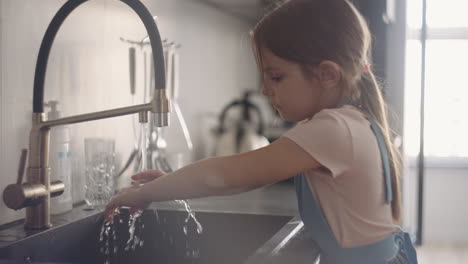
(35, 193)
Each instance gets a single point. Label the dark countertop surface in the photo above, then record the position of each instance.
(22, 262)
(275, 199)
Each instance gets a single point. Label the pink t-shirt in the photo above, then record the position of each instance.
(351, 192)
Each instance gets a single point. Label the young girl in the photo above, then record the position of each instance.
(315, 59)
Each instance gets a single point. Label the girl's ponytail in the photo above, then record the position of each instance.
(372, 101)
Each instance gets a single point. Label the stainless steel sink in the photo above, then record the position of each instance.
(226, 238)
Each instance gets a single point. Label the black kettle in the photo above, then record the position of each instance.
(245, 136)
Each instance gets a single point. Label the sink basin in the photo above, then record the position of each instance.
(226, 238)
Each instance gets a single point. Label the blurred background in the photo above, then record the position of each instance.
(421, 64)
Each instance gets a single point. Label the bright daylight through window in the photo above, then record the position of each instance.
(446, 89)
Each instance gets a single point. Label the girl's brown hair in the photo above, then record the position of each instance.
(308, 32)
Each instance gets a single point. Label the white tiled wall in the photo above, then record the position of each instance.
(88, 71)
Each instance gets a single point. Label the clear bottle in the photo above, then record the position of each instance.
(60, 161)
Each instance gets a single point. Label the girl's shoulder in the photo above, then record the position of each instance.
(329, 137)
(345, 115)
(337, 125)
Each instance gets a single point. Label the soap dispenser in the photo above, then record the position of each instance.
(60, 161)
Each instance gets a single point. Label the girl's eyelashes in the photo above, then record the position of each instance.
(273, 76)
(276, 78)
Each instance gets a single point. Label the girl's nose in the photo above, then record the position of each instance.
(266, 91)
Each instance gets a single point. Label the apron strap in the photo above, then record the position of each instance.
(384, 157)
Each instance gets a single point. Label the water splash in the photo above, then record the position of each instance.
(190, 252)
(107, 233)
(194, 253)
(190, 214)
(135, 238)
(108, 236)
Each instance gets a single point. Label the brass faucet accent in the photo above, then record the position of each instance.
(35, 193)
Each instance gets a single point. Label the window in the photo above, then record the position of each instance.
(446, 90)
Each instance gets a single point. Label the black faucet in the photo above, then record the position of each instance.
(35, 193)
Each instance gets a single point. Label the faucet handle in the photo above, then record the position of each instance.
(22, 165)
(14, 195)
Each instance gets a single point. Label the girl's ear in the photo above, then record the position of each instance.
(329, 73)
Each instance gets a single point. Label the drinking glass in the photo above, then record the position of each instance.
(100, 170)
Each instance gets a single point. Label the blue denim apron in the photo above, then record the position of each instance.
(395, 249)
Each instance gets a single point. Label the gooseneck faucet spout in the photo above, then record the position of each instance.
(35, 193)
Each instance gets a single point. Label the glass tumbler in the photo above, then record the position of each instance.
(100, 170)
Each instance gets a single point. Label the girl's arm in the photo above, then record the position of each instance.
(231, 174)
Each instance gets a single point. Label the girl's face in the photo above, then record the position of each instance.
(295, 94)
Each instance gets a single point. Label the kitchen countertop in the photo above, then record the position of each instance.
(275, 199)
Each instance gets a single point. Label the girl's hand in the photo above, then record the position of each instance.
(146, 176)
(128, 197)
